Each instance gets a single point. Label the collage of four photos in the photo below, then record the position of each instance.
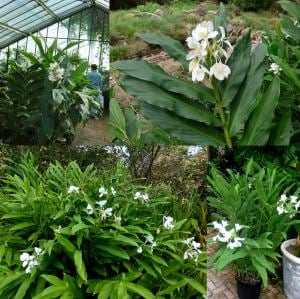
(150, 149)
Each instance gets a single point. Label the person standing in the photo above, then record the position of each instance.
(95, 83)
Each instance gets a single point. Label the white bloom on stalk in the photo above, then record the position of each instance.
(288, 205)
(193, 250)
(118, 220)
(73, 189)
(168, 222)
(113, 191)
(142, 197)
(55, 72)
(204, 31)
(140, 249)
(101, 203)
(198, 71)
(102, 192)
(31, 261)
(220, 71)
(90, 209)
(281, 210)
(235, 243)
(105, 213)
(198, 50)
(275, 68)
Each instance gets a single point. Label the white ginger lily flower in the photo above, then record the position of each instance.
(102, 192)
(90, 209)
(73, 189)
(101, 203)
(140, 249)
(235, 243)
(198, 71)
(113, 191)
(55, 72)
(118, 220)
(275, 68)
(198, 50)
(105, 213)
(220, 71)
(168, 222)
(204, 31)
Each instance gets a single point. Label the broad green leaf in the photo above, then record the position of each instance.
(132, 125)
(238, 63)
(290, 28)
(114, 250)
(262, 272)
(292, 8)
(187, 131)
(79, 263)
(156, 96)
(116, 120)
(244, 101)
(77, 73)
(38, 42)
(143, 70)
(126, 240)
(106, 290)
(78, 227)
(23, 225)
(51, 292)
(221, 18)
(122, 292)
(227, 257)
(173, 287)
(140, 290)
(258, 127)
(197, 286)
(281, 133)
(30, 56)
(171, 46)
(23, 288)
(67, 245)
(53, 280)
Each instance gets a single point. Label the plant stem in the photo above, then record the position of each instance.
(221, 112)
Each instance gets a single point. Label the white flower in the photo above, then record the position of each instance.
(137, 195)
(275, 68)
(102, 192)
(38, 251)
(145, 198)
(140, 249)
(220, 70)
(55, 72)
(149, 239)
(198, 71)
(188, 241)
(283, 197)
(101, 203)
(90, 209)
(204, 31)
(25, 258)
(73, 189)
(293, 199)
(105, 213)
(198, 50)
(238, 227)
(113, 191)
(249, 185)
(235, 243)
(168, 222)
(118, 219)
(142, 197)
(158, 231)
(58, 229)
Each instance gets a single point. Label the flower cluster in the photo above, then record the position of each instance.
(25, 65)
(228, 236)
(103, 191)
(275, 68)
(55, 72)
(206, 52)
(168, 222)
(193, 250)
(104, 213)
(73, 189)
(148, 241)
(288, 205)
(58, 95)
(31, 261)
(142, 197)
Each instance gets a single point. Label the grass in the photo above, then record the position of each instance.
(175, 23)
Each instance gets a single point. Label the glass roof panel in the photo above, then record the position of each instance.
(19, 18)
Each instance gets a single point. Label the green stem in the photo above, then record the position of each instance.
(221, 112)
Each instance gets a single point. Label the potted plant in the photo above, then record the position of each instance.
(250, 224)
(291, 252)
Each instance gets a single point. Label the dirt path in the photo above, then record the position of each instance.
(95, 132)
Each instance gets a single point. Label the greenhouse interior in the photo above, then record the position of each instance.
(48, 90)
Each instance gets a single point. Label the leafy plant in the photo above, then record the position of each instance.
(92, 236)
(45, 96)
(238, 110)
(255, 215)
(252, 4)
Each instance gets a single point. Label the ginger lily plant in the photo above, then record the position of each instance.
(233, 106)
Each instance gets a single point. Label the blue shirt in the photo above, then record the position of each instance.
(95, 79)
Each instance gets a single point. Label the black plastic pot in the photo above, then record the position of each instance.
(248, 290)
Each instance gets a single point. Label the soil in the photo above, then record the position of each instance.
(95, 132)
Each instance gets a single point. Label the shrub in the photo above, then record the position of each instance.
(100, 236)
(252, 4)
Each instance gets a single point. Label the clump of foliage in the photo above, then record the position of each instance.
(44, 96)
(70, 233)
(252, 4)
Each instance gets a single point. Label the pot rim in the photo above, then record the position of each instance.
(287, 254)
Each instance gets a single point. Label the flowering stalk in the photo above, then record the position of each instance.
(221, 112)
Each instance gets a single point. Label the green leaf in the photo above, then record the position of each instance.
(227, 257)
(238, 63)
(187, 131)
(126, 240)
(67, 245)
(281, 133)
(38, 42)
(53, 280)
(258, 127)
(106, 290)
(154, 95)
(77, 73)
(221, 18)
(78, 227)
(290, 28)
(132, 125)
(292, 8)
(116, 121)
(51, 292)
(143, 70)
(23, 288)
(173, 287)
(171, 46)
(197, 286)
(80, 267)
(140, 290)
(244, 102)
(22, 225)
(113, 250)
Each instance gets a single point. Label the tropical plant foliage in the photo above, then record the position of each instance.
(100, 236)
(252, 200)
(188, 111)
(39, 108)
